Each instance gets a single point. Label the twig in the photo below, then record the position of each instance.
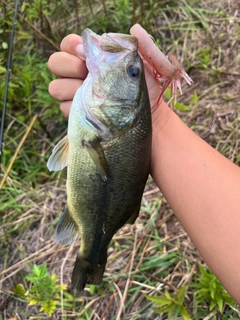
(88, 305)
(140, 284)
(34, 256)
(161, 281)
(147, 193)
(17, 151)
(141, 239)
(133, 12)
(104, 7)
(61, 276)
(128, 281)
(33, 27)
(119, 293)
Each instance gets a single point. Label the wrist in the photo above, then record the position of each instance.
(160, 116)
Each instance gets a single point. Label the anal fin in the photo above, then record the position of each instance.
(67, 229)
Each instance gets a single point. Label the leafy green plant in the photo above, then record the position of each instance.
(178, 105)
(203, 56)
(44, 290)
(172, 304)
(209, 291)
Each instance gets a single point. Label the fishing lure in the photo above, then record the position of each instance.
(166, 72)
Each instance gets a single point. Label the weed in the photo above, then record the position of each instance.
(209, 291)
(172, 304)
(43, 289)
(198, 32)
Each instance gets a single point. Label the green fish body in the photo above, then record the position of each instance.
(107, 151)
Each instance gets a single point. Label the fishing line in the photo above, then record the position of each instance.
(9, 62)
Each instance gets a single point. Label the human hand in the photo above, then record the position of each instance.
(69, 65)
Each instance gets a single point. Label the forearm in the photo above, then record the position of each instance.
(203, 189)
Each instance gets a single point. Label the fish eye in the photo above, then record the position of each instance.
(133, 72)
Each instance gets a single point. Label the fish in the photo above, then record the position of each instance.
(107, 152)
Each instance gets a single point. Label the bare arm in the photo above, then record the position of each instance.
(201, 186)
(203, 189)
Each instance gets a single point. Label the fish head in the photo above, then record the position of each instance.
(116, 76)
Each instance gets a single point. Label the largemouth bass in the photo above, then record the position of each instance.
(107, 151)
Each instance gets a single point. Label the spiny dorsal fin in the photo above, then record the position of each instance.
(67, 229)
(59, 157)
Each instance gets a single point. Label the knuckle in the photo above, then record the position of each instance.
(64, 107)
(52, 61)
(53, 90)
(69, 43)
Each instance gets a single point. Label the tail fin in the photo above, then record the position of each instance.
(84, 272)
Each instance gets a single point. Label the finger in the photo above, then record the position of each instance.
(65, 107)
(66, 65)
(64, 89)
(150, 52)
(153, 84)
(73, 44)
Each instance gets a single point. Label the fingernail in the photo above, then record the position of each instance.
(80, 51)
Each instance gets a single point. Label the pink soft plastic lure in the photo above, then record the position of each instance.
(165, 71)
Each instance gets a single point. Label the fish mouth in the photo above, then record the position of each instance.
(91, 45)
(125, 41)
(105, 49)
(95, 45)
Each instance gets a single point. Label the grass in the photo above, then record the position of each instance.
(152, 264)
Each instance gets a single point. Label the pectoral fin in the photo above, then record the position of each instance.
(67, 229)
(97, 154)
(59, 157)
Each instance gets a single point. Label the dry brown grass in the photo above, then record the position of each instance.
(211, 33)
